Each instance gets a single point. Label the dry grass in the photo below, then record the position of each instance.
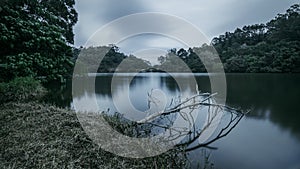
(35, 135)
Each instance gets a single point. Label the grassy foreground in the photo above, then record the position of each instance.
(35, 135)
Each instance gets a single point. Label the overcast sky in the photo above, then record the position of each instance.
(212, 17)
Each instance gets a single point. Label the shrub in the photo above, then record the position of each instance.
(21, 89)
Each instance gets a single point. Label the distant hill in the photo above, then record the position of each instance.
(105, 59)
(259, 48)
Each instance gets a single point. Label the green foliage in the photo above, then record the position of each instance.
(272, 47)
(35, 37)
(172, 63)
(132, 64)
(111, 60)
(285, 27)
(21, 89)
(190, 60)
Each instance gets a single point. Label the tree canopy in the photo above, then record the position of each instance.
(35, 38)
(270, 47)
(112, 60)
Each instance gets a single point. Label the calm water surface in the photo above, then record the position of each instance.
(268, 137)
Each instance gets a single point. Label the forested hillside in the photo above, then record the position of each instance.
(110, 59)
(270, 47)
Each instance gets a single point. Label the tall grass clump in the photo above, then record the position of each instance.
(21, 89)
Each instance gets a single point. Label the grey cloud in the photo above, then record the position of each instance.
(213, 17)
(244, 13)
(93, 14)
(145, 23)
(113, 9)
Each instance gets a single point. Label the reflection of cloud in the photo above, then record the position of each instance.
(212, 17)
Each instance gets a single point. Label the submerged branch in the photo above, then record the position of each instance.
(192, 133)
(181, 124)
(180, 107)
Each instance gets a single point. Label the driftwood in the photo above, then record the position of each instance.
(177, 108)
(192, 133)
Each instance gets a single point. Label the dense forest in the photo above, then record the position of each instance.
(36, 39)
(270, 47)
(112, 60)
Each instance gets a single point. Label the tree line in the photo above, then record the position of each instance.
(270, 48)
(36, 38)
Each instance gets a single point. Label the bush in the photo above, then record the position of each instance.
(21, 89)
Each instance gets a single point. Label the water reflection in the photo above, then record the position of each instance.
(132, 87)
(268, 138)
(272, 96)
(59, 95)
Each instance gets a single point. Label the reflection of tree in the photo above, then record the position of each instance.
(202, 160)
(169, 82)
(266, 93)
(103, 84)
(203, 83)
(60, 96)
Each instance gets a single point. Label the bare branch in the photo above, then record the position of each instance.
(178, 108)
(190, 132)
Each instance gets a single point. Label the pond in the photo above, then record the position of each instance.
(267, 137)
